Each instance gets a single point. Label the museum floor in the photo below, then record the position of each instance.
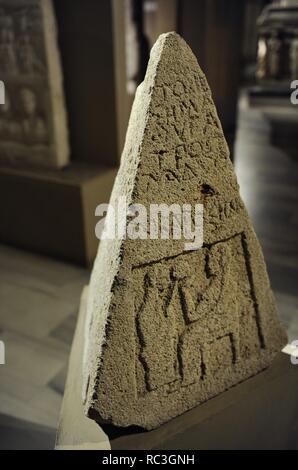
(40, 296)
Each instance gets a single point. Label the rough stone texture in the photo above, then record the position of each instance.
(33, 126)
(167, 328)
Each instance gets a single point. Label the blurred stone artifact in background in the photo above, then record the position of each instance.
(33, 124)
(278, 42)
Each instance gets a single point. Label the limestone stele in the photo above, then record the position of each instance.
(167, 329)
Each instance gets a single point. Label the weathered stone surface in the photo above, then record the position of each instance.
(169, 328)
(33, 126)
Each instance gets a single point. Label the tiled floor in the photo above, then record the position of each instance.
(40, 297)
(38, 308)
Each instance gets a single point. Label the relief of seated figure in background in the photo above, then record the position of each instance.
(10, 129)
(33, 126)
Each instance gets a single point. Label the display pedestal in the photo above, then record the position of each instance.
(52, 212)
(260, 413)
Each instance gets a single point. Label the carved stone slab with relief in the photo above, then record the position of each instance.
(33, 127)
(167, 328)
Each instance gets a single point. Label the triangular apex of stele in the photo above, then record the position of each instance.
(169, 328)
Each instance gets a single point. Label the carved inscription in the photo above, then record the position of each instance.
(188, 301)
(172, 328)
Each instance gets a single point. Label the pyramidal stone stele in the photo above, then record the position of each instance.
(169, 328)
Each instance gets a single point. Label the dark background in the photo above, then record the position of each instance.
(47, 216)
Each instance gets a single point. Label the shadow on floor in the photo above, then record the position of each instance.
(21, 435)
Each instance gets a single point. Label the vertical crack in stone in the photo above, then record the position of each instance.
(168, 298)
(247, 258)
(207, 266)
(180, 357)
(203, 366)
(233, 348)
(140, 335)
(184, 306)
